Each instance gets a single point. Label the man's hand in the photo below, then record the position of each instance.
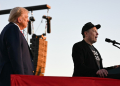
(102, 72)
(116, 66)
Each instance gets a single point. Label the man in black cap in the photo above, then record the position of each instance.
(86, 58)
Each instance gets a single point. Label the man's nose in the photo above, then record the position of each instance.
(97, 33)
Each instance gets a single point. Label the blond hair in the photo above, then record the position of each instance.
(15, 13)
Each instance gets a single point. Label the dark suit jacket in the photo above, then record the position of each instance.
(84, 60)
(16, 56)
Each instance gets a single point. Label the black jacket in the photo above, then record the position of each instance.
(84, 60)
(16, 56)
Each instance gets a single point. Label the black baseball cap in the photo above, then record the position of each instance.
(88, 26)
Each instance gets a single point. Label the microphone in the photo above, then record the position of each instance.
(111, 41)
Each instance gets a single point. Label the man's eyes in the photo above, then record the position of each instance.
(94, 31)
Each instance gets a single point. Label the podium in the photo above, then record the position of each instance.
(114, 73)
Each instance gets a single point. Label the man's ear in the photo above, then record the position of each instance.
(85, 33)
(19, 19)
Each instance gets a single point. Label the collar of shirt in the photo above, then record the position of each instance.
(18, 26)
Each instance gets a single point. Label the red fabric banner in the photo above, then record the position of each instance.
(29, 80)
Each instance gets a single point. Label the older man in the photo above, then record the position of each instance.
(86, 58)
(16, 56)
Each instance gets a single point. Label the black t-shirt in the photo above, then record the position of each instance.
(97, 57)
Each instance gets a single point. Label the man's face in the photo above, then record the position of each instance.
(24, 20)
(92, 35)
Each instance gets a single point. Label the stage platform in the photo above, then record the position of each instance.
(30, 80)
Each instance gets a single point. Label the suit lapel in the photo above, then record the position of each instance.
(91, 53)
(28, 47)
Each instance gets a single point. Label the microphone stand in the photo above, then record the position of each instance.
(114, 42)
(116, 46)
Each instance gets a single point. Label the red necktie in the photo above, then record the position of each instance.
(22, 33)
